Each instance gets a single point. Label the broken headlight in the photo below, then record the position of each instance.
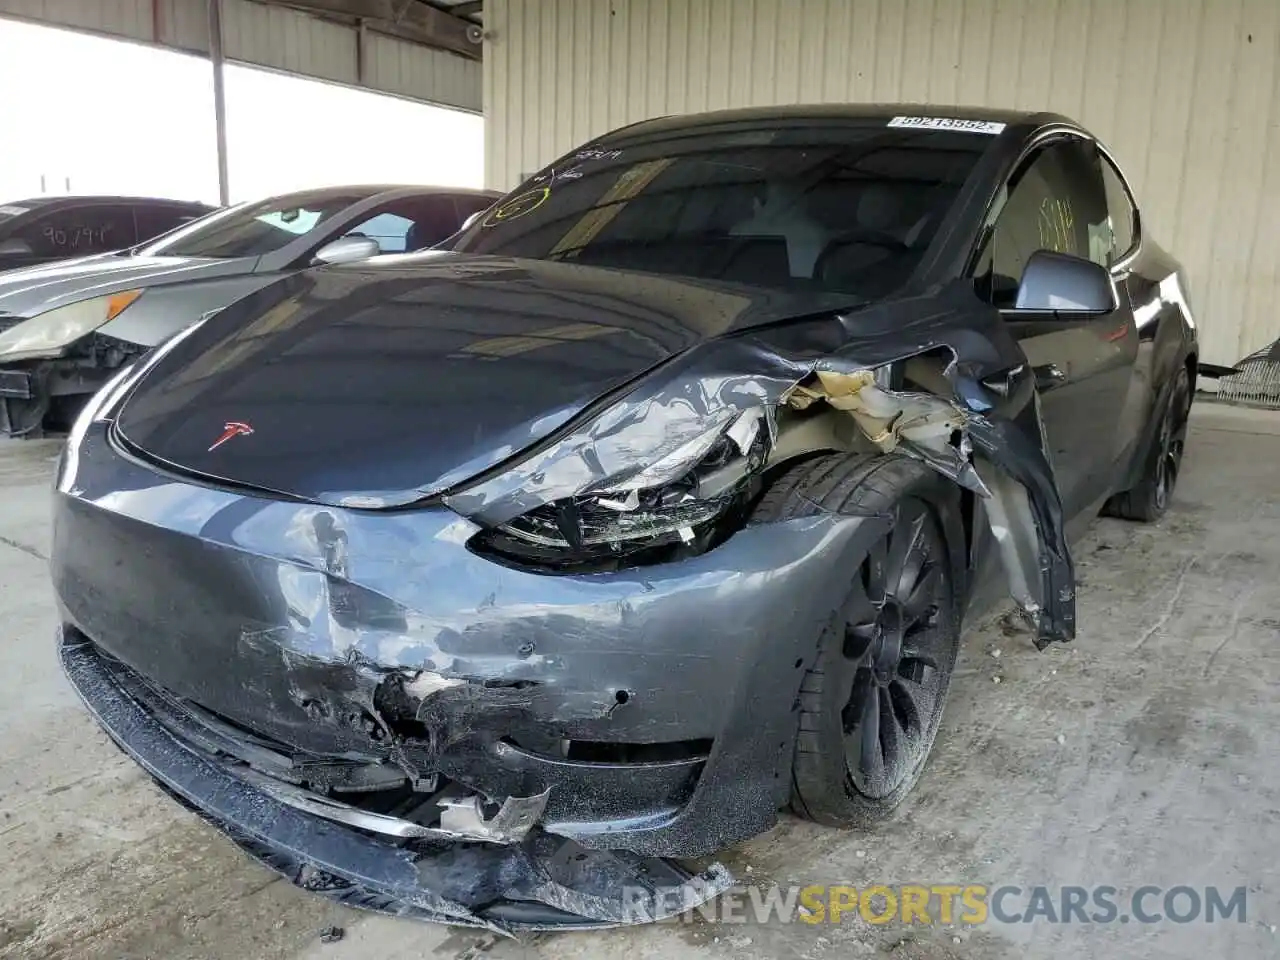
(684, 503)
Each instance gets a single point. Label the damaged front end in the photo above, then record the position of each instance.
(472, 868)
(671, 472)
(508, 701)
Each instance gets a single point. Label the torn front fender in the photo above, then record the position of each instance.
(1026, 519)
(990, 455)
(976, 420)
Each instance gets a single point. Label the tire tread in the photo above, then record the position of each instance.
(849, 484)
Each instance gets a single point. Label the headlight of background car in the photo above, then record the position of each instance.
(48, 333)
(683, 502)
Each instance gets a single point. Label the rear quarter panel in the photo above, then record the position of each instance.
(1157, 291)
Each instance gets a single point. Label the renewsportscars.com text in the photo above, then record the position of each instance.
(967, 904)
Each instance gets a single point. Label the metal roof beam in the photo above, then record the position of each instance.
(407, 19)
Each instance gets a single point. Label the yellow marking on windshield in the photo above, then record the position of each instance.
(629, 183)
(517, 206)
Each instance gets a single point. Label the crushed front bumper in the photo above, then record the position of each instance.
(544, 882)
(655, 705)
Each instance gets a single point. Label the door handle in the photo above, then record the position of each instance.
(1048, 376)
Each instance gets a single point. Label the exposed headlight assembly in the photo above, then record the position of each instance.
(48, 333)
(683, 502)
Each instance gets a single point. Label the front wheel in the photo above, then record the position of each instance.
(871, 703)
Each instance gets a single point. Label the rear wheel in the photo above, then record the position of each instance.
(871, 703)
(1149, 498)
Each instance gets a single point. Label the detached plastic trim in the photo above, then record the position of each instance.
(544, 883)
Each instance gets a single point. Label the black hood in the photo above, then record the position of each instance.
(388, 381)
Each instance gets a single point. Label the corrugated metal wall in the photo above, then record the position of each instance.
(276, 38)
(1185, 91)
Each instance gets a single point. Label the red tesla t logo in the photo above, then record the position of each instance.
(234, 428)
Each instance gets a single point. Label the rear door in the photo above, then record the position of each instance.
(1083, 365)
(1145, 296)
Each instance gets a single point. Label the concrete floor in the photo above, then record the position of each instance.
(1165, 773)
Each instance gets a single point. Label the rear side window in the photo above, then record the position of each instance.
(1055, 202)
(1124, 225)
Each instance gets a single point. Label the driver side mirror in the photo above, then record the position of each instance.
(1060, 283)
(466, 224)
(15, 248)
(348, 250)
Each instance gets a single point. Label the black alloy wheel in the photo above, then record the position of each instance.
(1149, 498)
(893, 647)
(871, 700)
(1172, 440)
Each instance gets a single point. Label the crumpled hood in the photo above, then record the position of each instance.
(380, 383)
(34, 290)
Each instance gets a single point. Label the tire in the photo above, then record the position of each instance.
(870, 705)
(1148, 499)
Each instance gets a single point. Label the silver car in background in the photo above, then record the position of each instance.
(65, 327)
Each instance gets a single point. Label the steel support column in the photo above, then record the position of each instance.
(219, 98)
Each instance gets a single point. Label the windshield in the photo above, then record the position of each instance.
(818, 204)
(254, 229)
(10, 212)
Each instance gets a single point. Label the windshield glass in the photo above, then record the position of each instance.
(801, 203)
(253, 229)
(9, 212)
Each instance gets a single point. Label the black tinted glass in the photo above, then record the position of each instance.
(79, 231)
(468, 205)
(154, 220)
(822, 206)
(1056, 202)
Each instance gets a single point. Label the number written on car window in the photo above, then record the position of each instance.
(88, 236)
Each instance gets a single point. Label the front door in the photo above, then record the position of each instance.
(1083, 365)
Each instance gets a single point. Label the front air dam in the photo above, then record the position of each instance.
(543, 883)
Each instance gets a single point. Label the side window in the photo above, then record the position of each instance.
(153, 220)
(79, 231)
(389, 229)
(1055, 202)
(1123, 216)
(410, 224)
(468, 205)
